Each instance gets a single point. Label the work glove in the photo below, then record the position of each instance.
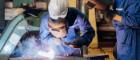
(76, 43)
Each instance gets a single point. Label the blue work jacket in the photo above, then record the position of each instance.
(128, 30)
(78, 26)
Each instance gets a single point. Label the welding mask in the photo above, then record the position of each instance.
(57, 28)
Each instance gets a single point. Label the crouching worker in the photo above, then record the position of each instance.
(65, 29)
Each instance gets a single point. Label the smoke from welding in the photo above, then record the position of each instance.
(32, 47)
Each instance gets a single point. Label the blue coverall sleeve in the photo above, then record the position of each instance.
(86, 31)
(44, 33)
(131, 14)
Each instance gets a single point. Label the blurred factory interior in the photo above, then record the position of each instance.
(16, 25)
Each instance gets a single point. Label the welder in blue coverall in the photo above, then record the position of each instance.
(126, 19)
(64, 29)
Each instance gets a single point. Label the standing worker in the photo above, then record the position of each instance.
(126, 19)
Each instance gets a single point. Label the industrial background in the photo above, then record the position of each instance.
(15, 25)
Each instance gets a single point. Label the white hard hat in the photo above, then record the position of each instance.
(58, 8)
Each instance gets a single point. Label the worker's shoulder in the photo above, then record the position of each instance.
(75, 12)
(45, 14)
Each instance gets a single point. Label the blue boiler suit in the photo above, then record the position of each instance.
(78, 27)
(128, 31)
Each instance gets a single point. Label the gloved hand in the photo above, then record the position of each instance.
(74, 43)
(71, 45)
